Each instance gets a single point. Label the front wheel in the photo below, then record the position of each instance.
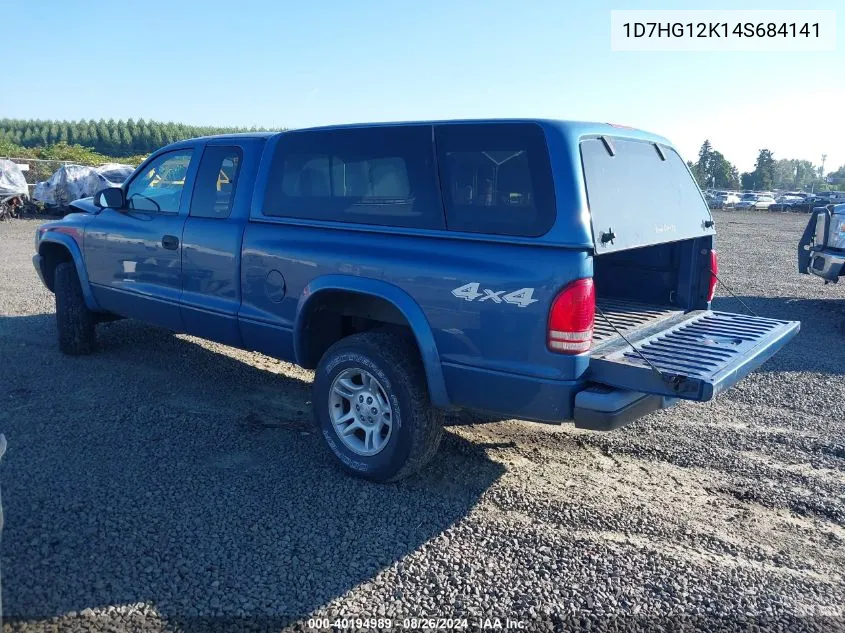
(371, 403)
(74, 321)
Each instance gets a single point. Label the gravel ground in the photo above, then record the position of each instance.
(168, 483)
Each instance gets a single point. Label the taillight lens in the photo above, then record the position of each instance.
(571, 318)
(714, 270)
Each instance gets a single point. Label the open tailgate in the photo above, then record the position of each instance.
(695, 359)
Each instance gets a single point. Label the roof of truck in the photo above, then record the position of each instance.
(575, 128)
(578, 128)
(232, 135)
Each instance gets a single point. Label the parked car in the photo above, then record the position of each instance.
(821, 250)
(727, 199)
(13, 189)
(68, 183)
(806, 204)
(764, 201)
(786, 203)
(747, 201)
(525, 268)
(712, 200)
(108, 175)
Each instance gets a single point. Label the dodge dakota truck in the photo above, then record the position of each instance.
(533, 269)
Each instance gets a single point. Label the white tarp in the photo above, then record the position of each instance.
(108, 175)
(68, 183)
(12, 180)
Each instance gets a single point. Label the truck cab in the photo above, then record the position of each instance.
(535, 269)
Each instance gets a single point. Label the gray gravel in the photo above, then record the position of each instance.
(168, 483)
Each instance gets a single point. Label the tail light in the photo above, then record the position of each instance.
(571, 318)
(714, 270)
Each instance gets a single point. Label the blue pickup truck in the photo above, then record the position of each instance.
(533, 269)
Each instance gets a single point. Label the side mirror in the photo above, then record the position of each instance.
(110, 198)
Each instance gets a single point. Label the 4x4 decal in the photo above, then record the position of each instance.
(522, 298)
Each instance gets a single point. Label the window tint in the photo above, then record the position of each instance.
(496, 178)
(159, 186)
(378, 175)
(636, 181)
(216, 180)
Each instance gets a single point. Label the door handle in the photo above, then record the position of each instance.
(170, 242)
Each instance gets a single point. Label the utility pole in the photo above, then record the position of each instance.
(821, 169)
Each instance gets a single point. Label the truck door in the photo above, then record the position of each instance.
(134, 255)
(211, 243)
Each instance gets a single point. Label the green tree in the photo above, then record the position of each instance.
(837, 178)
(734, 178)
(764, 170)
(713, 170)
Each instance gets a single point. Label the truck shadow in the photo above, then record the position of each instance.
(164, 472)
(819, 346)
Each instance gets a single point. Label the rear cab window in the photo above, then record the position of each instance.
(496, 178)
(382, 175)
(215, 183)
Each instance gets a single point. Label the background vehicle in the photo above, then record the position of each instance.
(747, 201)
(13, 189)
(712, 199)
(419, 267)
(821, 250)
(763, 202)
(68, 183)
(727, 199)
(108, 175)
(786, 202)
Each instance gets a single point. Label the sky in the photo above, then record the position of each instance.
(295, 64)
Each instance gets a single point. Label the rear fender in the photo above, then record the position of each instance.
(72, 247)
(402, 301)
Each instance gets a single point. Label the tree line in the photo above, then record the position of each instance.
(107, 137)
(713, 171)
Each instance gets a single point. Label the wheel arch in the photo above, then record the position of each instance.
(56, 248)
(390, 304)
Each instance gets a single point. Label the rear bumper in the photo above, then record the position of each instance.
(511, 396)
(827, 265)
(602, 408)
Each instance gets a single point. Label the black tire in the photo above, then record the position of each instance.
(417, 426)
(74, 321)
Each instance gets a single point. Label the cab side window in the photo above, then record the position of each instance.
(217, 178)
(376, 175)
(495, 178)
(159, 186)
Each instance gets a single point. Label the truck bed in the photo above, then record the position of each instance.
(628, 317)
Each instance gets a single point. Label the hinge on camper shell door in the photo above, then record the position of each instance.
(608, 236)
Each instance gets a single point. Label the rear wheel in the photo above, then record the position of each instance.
(371, 402)
(74, 321)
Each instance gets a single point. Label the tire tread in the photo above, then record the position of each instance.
(75, 323)
(401, 354)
